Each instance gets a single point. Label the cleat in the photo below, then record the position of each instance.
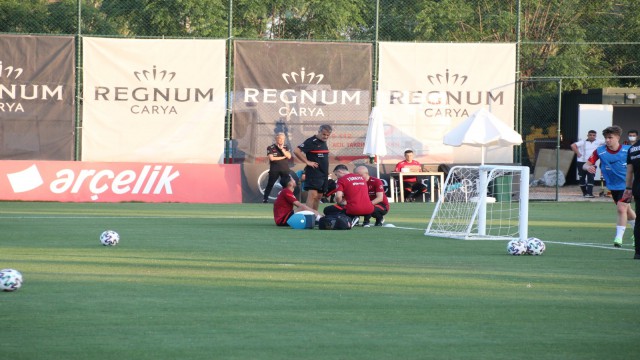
(366, 224)
(380, 222)
(354, 221)
(617, 242)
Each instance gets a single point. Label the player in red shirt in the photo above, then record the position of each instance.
(377, 196)
(352, 195)
(412, 187)
(283, 206)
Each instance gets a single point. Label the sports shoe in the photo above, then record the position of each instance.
(354, 221)
(589, 196)
(264, 201)
(366, 224)
(617, 242)
(380, 222)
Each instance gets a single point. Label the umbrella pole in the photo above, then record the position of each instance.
(378, 167)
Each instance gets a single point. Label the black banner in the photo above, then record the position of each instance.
(37, 75)
(294, 87)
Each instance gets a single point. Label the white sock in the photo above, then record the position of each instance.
(620, 231)
(632, 223)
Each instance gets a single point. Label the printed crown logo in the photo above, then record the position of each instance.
(302, 77)
(154, 74)
(447, 78)
(10, 71)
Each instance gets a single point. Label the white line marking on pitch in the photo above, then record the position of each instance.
(588, 245)
(591, 245)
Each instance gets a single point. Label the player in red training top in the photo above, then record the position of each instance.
(352, 195)
(377, 196)
(283, 206)
(412, 187)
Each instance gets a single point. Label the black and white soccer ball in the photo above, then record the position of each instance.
(535, 246)
(109, 238)
(517, 247)
(10, 280)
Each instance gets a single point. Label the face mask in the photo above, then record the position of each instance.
(632, 138)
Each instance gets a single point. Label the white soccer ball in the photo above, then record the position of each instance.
(517, 247)
(10, 280)
(535, 246)
(109, 238)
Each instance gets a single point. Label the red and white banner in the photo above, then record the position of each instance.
(75, 181)
(427, 89)
(153, 100)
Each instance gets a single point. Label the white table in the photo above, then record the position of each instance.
(430, 174)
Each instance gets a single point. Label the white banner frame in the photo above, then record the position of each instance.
(427, 89)
(153, 100)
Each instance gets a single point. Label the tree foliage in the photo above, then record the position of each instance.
(300, 19)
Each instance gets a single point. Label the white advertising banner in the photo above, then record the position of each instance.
(157, 100)
(427, 89)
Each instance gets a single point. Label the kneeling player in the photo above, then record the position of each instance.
(377, 195)
(352, 197)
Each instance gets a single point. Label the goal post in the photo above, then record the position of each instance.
(485, 202)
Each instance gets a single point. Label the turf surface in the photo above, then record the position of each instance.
(222, 282)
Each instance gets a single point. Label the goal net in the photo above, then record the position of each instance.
(487, 202)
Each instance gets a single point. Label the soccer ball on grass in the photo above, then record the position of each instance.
(535, 246)
(10, 280)
(109, 238)
(517, 247)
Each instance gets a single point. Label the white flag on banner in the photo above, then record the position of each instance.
(157, 100)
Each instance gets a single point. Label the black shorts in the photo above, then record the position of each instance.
(617, 196)
(319, 183)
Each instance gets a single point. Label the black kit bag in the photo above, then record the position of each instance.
(335, 222)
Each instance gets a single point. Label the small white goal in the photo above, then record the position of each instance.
(486, 202)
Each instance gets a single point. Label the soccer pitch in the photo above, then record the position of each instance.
(223, 282)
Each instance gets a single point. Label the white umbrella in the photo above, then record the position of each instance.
(375, 143)
(482, 129)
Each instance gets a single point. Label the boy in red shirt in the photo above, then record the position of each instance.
(412, 187)
(286, 200)
(352, 195)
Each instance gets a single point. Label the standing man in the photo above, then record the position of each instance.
(584, 149)
(632, 136)
(286, 200)
(352, 195)
(613, 164)
(377, 196)
(314, 152)
(412, 187)
(633, 188)
(279, 156)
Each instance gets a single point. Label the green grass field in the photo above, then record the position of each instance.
(223, 282)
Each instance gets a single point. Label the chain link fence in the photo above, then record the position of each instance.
(563, 45)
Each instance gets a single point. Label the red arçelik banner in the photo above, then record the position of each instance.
(73, 181)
